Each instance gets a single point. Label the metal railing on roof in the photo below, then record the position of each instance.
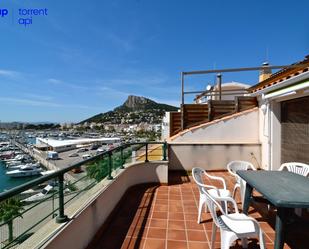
(219, 71)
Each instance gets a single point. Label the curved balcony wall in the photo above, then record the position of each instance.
(88, 214)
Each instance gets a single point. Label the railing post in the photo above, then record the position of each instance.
(146, 154)
(121, 158)
(109, 177)
(61, 218)
(182, 117)
(236, 104)
(53, 206)
(210, 110)
(164, 147)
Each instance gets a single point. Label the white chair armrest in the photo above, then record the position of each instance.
(205, 186)
(218, 179)
(282, 167)
(231, 172)
(228, 199)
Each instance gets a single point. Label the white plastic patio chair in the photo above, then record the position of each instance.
(297, 168)
(232, 167)
(197, 174)
(232, 226)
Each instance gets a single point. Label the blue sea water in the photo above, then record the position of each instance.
(31, 140)
(7, 182)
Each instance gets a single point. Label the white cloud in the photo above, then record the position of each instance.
(30, 102)
(9, 73)
(38, 97)
(38, 103)
(66, 84)
(55, 81)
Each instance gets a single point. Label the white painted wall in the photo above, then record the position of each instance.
(242, 128)
(270, 134)
(275, 135)
(270, 126)
(269, 121)
(212, 146)
(264, 132)
(211, 156)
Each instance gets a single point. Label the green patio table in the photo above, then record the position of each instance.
(285, 190)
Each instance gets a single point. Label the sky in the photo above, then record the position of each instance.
(86, 57)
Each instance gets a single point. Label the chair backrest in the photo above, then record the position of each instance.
(214, 206)
(295, 167)
(197, 174)
(233, 166)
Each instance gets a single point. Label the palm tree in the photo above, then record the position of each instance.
(10, 209)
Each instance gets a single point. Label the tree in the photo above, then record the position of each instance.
(99, 169)
(10, 209)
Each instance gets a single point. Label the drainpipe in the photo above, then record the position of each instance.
(268, 104)
(265, 107)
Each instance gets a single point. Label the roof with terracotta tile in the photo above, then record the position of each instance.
(284, 74)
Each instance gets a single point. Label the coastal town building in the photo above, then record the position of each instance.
(266, 127)
(70, 144)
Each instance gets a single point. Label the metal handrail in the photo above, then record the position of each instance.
(60, 175)
(14, 191)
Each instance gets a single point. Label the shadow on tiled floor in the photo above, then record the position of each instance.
(155, 217)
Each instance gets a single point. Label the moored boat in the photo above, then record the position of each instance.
(19, 166)
(39, 196)
(24, 171)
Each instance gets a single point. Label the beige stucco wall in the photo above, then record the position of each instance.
(213, 145)
(238, 129)
(88, 216)
(212, 156)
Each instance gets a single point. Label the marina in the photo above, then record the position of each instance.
(16, 166)
(7, 182)
(24, 171)
(25, 156)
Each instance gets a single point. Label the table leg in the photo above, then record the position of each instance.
(280, 220)
(247, 199)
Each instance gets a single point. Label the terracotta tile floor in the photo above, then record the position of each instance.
(163, 217)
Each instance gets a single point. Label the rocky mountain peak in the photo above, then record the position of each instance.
(148, 111)
(136, 102)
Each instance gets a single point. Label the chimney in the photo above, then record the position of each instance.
(265, 72)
